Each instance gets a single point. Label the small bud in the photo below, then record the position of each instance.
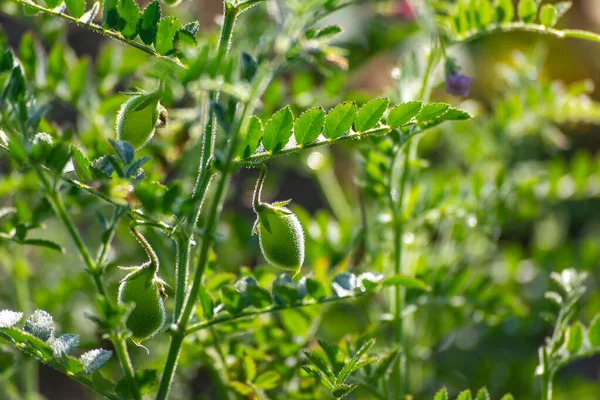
(457, 84)
(95, 359)
(40, 325)
(65, 344)
(9, 318)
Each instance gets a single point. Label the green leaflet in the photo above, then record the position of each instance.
(165, 35)
(527, 10)
(278, 130)
(309, 125)
(252, 138)
(340, 120)
(370, 114)
(76, 7)
(149, 24)
(130, 15)
(431, 112)
(402, 114)
(110, 17)
(505, 11)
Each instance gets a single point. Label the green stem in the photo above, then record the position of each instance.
(120, 345)
(109, 237)
(59, 207)
(154, 263)
(181, 271)
(263, 156)
(99, 29)
(184, 306)
(259, 187)
(96, 271)
(226, 318)
(177, 340)
(230, 14)
(546, 376)
(205, 172)
(213, 216)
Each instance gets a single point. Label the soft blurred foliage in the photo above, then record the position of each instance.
(496, 203)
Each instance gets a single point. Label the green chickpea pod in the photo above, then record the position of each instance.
(143, 288)
(138, 118)
(279, 232)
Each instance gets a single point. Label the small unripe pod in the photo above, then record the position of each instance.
(281, 237)
(137, 119)
(148, 314)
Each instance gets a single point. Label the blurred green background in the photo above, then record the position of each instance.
(544, 219)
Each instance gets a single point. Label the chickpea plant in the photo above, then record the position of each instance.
(171, 115)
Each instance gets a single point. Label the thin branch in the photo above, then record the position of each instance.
(62, 368)
(99, 29)
(250, 314)
(262, 156)
(96, 271)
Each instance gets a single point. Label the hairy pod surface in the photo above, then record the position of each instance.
(137, 119)
(148, 314)
(281, 237)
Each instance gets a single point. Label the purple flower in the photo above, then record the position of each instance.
(458, 84)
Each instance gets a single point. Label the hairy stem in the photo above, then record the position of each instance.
(260, 157)
(230, 14)
(205, 172)
(99, 29)
(213, 216)
(262, 79)
(546, 376)
(110, 234)
(178, 336)
(123, 356)
(96, 271)
(226, 318)
(154, 263)
(258, 189)
(181, 272)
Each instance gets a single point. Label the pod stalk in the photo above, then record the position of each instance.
(256, 203)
